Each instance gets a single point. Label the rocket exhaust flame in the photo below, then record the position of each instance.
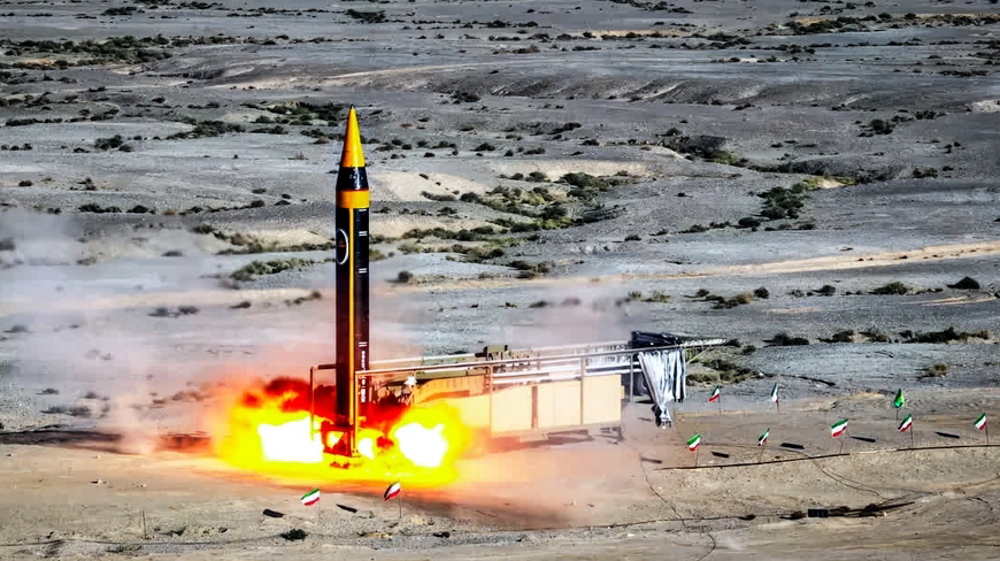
(422, 446)
(290, 442)
(267, 430)
(366, 447)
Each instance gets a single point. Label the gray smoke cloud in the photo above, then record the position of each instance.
(77, 340)
(576, 316)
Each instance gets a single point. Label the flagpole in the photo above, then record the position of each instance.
(145, 535)
(696, 451)
(761, 458)
(911, 436)
(399, 499)
(843, 436)
(986, 427)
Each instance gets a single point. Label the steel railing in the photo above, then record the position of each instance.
(546, 364)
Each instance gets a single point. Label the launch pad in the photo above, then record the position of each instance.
(522, 394)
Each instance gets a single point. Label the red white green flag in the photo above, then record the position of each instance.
(763, 438)
(906, 424)
(981, 421)
(392, 491)
(774, 393)
(694, 441)
(311, 498)
(716, 394)
(838, 428)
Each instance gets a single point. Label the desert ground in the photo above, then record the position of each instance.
(814, 181)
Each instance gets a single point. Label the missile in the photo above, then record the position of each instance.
(351, 242)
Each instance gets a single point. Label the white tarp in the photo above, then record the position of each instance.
(666, 377)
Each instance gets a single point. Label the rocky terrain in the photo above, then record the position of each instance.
(814, 181)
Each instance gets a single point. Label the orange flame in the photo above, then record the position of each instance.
(290, 442)
(430, 437)
(423, 446)
(271, 434)
(366, 447)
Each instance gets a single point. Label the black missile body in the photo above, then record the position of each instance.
(351, 223)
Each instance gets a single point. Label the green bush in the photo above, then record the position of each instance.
(896, 287)
(725, 158)
(479, 233)
(944, 336)
(446, 198)
(780, 203)
(722, 303)
(710, 378)
(876, 336)
(408, 248)
(658, 296)
(785, 340)
(529, 270)
(255, 268)
(478, 254)
(554, 211)
(695, 229)
(115, 141)
(367, 17)
(584, 181)
(827, 290)
(206, 129)
(729, 372)
(844, 336)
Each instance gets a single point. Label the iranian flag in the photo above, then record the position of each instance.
(838, 428)
(774, 393)
(763, 438)
(694, 441)
(311, 498)
(392, 491)
(716, 394)
(981, 421)
(900, 400)
(906, 424)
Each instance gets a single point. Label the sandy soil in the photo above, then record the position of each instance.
(578, 499)
(683, 116)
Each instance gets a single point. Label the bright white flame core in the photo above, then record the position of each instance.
(366, 447)
(291, 442)
(422, 446)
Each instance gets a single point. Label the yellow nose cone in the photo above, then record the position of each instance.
(352, 156)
